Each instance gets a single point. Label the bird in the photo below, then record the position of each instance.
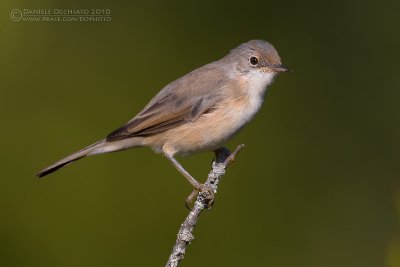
(198, 112)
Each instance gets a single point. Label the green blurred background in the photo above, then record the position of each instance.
(316, 185)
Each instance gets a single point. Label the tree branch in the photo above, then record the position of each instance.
(185, 234)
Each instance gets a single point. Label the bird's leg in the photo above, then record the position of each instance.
(220, 153)
(197, 186)
(190, 179)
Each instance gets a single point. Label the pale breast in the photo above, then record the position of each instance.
(212, 129)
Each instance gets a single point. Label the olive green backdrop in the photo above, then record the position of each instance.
(317, 184)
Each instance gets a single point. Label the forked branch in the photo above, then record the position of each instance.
(185, 234)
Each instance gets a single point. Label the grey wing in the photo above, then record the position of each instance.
(179, 102)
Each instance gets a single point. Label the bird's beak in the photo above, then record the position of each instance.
(280, 68)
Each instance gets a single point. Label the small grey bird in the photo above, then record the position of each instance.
(197, 112)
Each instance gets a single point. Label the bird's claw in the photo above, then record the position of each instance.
(208, 194)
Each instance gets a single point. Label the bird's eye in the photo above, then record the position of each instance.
(253, 61)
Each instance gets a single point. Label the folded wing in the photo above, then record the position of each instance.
(181, 101)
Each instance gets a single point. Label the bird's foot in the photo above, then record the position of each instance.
(208, 194)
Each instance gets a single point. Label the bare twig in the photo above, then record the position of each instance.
(185, 234)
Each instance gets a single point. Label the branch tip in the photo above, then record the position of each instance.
(231, 158)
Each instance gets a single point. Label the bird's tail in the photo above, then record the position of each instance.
(73, 157)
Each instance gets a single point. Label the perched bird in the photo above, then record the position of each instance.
(197, 112)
